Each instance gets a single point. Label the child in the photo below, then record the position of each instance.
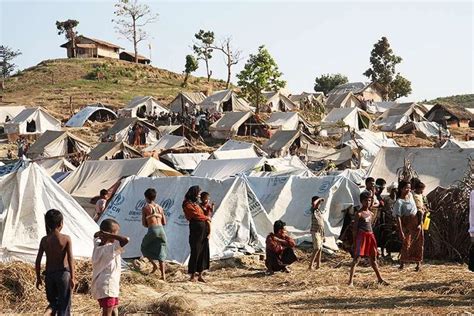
(59, 274)
(317, 231)
(106, 266)
(208, 209)
(365, 244)
(100, 204)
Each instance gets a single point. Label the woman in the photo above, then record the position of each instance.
(154, 242)
(409, 226)
(388, 225)
(198, 241)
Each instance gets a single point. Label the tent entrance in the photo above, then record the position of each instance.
(141, 111)
(31, 126)
(227, 106)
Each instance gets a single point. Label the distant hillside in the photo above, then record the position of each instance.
(465, 100)
(52, 82)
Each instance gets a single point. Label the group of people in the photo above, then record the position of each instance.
(138, 134)
(198, 121)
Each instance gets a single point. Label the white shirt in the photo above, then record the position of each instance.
(100, 206)
(106, 270)
(471, 214)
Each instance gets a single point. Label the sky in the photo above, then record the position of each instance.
(306, 39)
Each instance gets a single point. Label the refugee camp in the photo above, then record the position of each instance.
(236, 157)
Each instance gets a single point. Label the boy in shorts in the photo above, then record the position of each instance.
(317, 231)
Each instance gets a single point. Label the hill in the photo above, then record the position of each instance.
(52, 84)
(465, 100)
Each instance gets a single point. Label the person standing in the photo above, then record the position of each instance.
(388, 226)
(153, 245)
(198, 241)
(471, 230)
(317, 231)
(409, 226)
(100, 204)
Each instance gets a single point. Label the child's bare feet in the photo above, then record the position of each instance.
(200, 279)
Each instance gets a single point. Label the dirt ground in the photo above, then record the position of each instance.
(241, 286)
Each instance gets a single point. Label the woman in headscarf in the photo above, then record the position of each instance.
(409, 226)
(198, 238)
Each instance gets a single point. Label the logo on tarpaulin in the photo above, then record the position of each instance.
(114, 206)
(167, 206)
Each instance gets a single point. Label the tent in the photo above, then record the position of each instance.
(380, 107)
(55, 165)
(289, 199)
(141, 107)
(113, 150)
(167, 142)
(284, 166)
(309, 101)
(399, 114)
(32, 121)
(92, 176)
(277, 102)
(283, 143)
(368, 142)
(317, 153)
(187, 101)
(26, 195)
(238, 223)
(233, 149)
(225, 101)
(57, 143)
(422, 129)
(225, 168)
(9, 110)
(340, 118)
(456, 144)
(179, 130)
(95, 112)
(121, 131)
(342, 100)
(357, 176)
(286, 121)
(185, 162)
(435, 166)
(231, 124)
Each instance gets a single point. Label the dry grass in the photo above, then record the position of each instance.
(240, 286)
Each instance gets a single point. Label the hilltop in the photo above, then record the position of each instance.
(52, 83)
(465, 100)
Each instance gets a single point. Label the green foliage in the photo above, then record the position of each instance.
(190, 66)
(68, 28)
(327, 82)
(383, 71)
(7, 55)
(203, 48)
(260, 74)
(464, 100)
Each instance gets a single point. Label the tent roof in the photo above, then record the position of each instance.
(93, 175)
(124, 123)
(340, 114)
(455, 110)
(455, 144)
(280, 140)
(215, 100)
(187, 161)
(80, 118)
(237, 149)
(48, 137)
(354, 87)
(230, 121)
(27, 113)
(168, 142)
(103, 149)
(435, 166)
(101, 42)
(194, 97)
(225, 168)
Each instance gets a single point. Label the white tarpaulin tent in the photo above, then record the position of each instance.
(233, 149)
(32, 121)
(238, 223)
(423, 129)
(113, 150)
(122, 128)
(96, 111)
(55, 165)
(10, 111)
(225, 168)
(289, 199)
(167, 142)
(141, 106)
(225, 101)
(285, 121)
(456, 144)
(187, 162)
(229, 124)
(399, 114)
(354, 118)
(26, 195)
(57, 143)
(92, 176)
(435, 166)
(276, 101)
(284, 166)
(187, 101)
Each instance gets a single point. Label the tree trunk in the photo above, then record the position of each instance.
(185, 82)
(73, 42)
(207, 70)
(135, 39)
(228, 76)
(257, 105)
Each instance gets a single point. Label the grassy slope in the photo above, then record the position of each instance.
(51, 83)
(465, 100)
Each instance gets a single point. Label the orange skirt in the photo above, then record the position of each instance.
(412, 247)
(366, 245)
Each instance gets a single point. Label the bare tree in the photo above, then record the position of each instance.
(232, 56)
(131, 18)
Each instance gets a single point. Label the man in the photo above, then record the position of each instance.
(279, 249)
(379, 188)
(370, 187)
(471, 231)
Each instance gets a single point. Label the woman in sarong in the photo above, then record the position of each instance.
(154, 242)
(409, 226)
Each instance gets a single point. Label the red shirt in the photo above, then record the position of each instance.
(193, 211)
(276, 246)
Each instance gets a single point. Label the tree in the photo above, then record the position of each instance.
(327, 82)
(131, 18)
(383, 62)
(203, 48)
(68, 28)
(190, 66)
(231, 56)
(260, 74)
(7, 54)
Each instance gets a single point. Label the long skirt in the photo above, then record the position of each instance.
(278, 262)
(365, 244)
(154, 243)
(199, 244)
(412, 247)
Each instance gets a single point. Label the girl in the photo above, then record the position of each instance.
(365, 244)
